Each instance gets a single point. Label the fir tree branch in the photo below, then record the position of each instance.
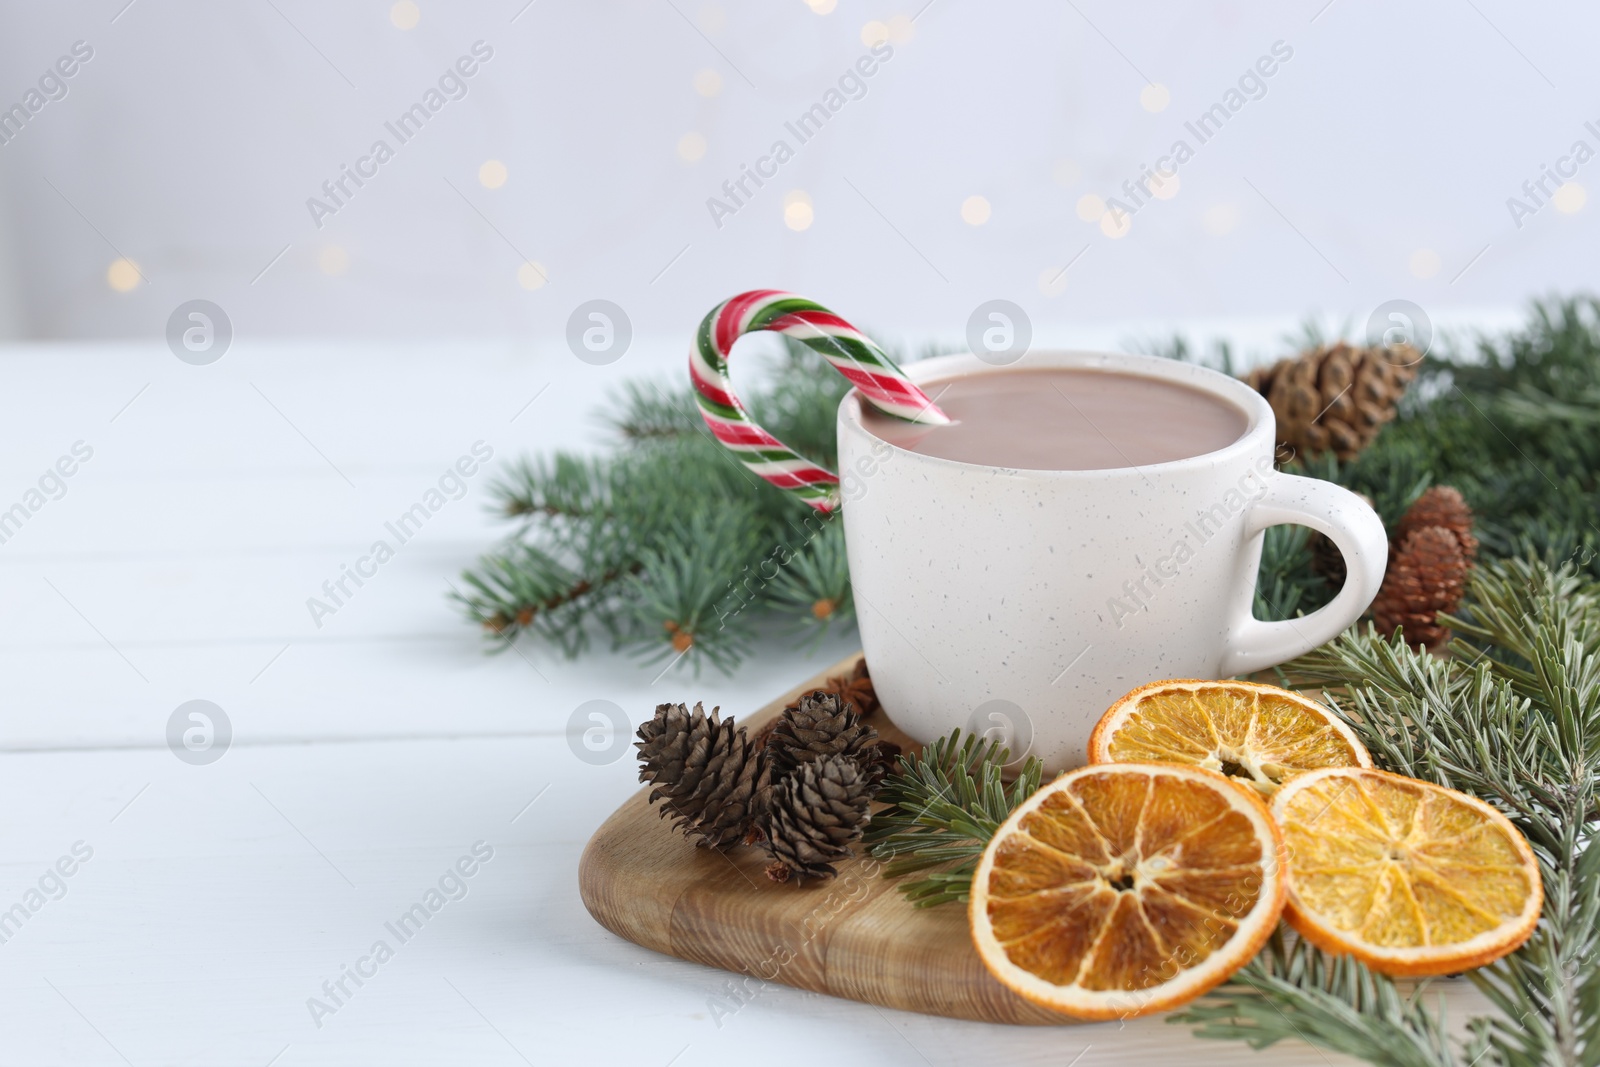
(563, 486)
(523, 589)
(1286, 585)
(1520, 727)
(813, 584)
(1292, 990)
(645, 414)
(685, 582)
(945, 803)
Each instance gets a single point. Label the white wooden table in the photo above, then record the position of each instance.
(369, 757)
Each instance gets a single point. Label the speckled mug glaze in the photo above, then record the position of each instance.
(988, 595)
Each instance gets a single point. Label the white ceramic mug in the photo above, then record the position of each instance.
(1026, 601)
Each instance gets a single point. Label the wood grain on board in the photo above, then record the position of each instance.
(853, 936)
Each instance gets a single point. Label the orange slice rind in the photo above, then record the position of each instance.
(1124, 889)
(1257, 734)
(1409, 877)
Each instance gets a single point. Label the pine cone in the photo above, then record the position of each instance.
(817, 813)
(1335, 397)
(1426, 576)
(713, 781)
(1441, 506)
(821, 724)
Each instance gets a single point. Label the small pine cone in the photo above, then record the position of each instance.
(821, 724)
(1441, 506)
(855, 688)
(712, 780)
(817, 813)
(1427, 576)
(1334, 398)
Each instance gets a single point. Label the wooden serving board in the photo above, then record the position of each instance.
(853, 936)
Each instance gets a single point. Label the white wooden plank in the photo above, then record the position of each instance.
(85, 695)
(270, 406)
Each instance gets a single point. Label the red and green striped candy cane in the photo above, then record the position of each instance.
(850, 352)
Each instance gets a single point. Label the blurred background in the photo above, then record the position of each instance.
(1375, 163)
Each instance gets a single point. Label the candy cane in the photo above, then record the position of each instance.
(850, 352)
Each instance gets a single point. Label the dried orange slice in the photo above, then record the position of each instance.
(1123, 889)
(1409, 877)
(1256, 734)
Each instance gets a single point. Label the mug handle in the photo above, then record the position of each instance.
(1354, 528)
